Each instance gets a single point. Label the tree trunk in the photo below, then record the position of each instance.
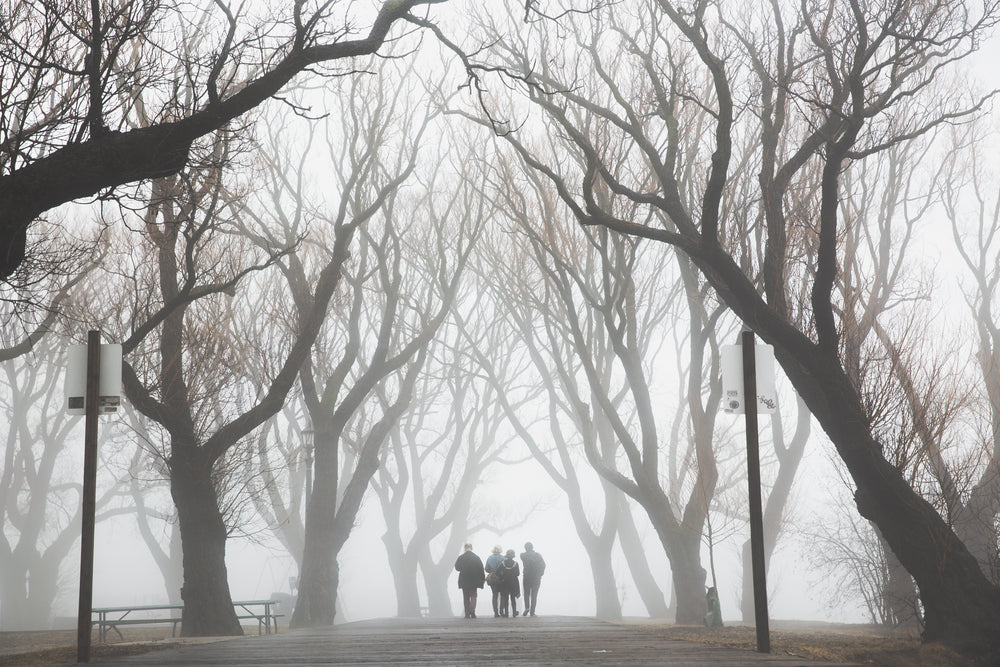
(27, 595)
(683, 548)
(316, 605)
(688, 579)
(404, 576)
(208, 605)
(29, 584)
(13, 598)
(962, 607)
(436, 582)
(900, 593)
(599, 545)
(607, 606)
(976, 524)
(173, 574)
(635, 555)
(747, 611)
(325, 534)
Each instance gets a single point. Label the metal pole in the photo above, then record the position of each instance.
(89, 497)
(753, 482)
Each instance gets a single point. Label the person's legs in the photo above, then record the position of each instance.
(513, 605)
(530, 596)
(504, 603)
(473, 598)
(496, 600)
(467, 596)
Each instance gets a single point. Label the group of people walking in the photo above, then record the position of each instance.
(504, 576)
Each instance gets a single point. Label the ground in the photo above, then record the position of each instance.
(843, 643)
(864, 644)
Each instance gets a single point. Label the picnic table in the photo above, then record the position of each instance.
(111, 618)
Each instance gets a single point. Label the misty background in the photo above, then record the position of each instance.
(452, 363)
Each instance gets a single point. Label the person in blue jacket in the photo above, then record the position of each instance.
(492, 563)
(470, 579)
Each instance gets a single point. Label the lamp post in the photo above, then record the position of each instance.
(748, 385)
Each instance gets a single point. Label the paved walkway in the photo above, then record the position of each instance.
(557, 640)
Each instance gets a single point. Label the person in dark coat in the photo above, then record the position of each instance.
(470, 579)
(510, 587)
(492, 563)
(534, 568)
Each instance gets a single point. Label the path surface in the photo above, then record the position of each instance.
(557, 640)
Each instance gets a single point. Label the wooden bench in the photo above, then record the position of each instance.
(111, 618)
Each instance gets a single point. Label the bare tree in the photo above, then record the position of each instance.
(187, 360)
(390, 312)
(39, 493)
(788, 453)
(386, 368)
(591, 310)
(431, 469)
(970, 487)
(850, 553)
(148, 481)
(283, 480)
(70, 78)
(843, 83)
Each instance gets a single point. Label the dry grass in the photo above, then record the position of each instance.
(67, 654)
(59, 646)
(861, 644)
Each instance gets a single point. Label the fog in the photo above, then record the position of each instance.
(125, 574)
(410, 303)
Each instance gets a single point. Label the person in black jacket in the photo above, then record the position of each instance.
(534, 568)
(470, 579)
(510, 588)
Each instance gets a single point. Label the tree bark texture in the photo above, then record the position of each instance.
(316, 604)
(208, 605)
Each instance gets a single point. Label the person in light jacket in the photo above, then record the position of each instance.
(492, 563)
(470, 579)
